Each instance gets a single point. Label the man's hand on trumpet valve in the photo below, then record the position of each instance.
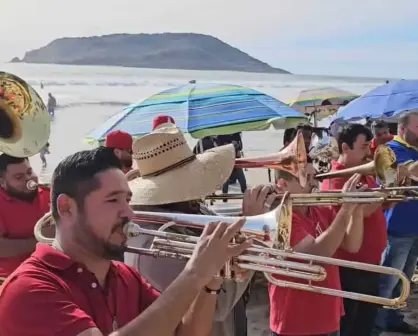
(214, 250)
(258, 200)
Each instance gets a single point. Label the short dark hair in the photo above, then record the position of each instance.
(305, 127)
(379, 124)
(404, 118)
(349, 133)
(289, 135)
(75, 176)
(6, 160)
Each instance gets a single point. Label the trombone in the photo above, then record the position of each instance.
(276, 259)
(383, 165)
(292, 159)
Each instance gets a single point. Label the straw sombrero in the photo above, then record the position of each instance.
(171, 173)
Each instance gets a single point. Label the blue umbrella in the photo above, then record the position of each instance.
(203, 109)
(384, 102)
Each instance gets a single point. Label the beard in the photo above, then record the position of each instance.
(411, 138)
(27, 196)
(100, 247)
(126, 163)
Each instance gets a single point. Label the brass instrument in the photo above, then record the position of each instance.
(24, 118)
(271, 259)
(292, 159)
(33, 185)
(384, 166)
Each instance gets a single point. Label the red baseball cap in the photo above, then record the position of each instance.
(119, 139)
(161, 121)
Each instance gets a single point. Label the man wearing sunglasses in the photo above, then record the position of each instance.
(121, 142)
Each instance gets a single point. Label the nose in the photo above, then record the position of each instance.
(128, 212)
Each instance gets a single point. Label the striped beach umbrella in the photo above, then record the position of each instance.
(324, 101)
(204, 109)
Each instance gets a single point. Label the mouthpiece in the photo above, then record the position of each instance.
(32, 185)
(131, 230)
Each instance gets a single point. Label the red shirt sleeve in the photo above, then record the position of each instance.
(148, 294)
(298, 232)
(32, 307)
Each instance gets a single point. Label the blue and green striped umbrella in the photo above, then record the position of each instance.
(203, 109)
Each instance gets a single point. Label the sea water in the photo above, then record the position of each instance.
(88, 95)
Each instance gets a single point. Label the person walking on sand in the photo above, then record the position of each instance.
(42, 153)
(52, 104)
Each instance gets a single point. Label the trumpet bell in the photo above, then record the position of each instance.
(24, 118)
(292, 159)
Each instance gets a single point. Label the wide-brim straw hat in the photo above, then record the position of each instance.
(171, 173)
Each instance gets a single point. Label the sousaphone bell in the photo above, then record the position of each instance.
(24, 118)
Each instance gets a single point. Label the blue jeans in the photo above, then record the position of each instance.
(401, 253)
(335, 333)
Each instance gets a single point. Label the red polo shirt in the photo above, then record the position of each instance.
(17, 221)
(295, 312)
(49, 294)
(375, 235)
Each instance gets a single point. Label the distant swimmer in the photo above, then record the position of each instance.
(42, 153)
(52, 104)
(42, 85)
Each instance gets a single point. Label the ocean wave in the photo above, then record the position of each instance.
(100, 103)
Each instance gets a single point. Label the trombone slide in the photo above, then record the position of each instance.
(276, 259)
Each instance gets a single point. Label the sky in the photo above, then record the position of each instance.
(370, 38)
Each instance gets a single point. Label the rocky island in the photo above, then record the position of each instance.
(161, 51)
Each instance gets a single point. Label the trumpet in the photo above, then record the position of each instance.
(276, 259)
(33, 185)
(292, 159)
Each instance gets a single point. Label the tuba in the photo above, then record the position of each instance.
(24, 118)
(323, 153)
(292, 159)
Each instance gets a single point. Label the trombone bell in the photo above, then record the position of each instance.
(24, 118)
(384, 166)
(292, 159)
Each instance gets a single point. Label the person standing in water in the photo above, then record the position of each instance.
(52, 104)
(42, 153)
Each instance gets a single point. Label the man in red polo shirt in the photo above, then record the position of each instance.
(121, 142)
(381, 135)
(317, 231)
(353, 145)
(72, 288)
(20, 209)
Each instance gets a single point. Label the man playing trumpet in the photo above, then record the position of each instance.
(175, 180)
(20, 209)
(73, 288)
(318, 231)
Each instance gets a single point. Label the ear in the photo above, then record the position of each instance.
(66, 206)
(117, 152)
(344, 148)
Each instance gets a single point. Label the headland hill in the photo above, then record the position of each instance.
(185, 51)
